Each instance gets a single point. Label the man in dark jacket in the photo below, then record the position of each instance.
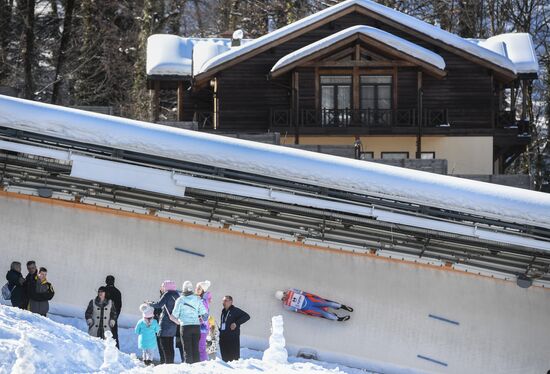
(113, 294)
(15, 283)
(28, 284)
(230, 333)
(168, 329)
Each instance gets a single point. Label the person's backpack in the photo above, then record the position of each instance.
(6, 292)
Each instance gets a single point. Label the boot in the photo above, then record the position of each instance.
(344, 318)
(348, 308)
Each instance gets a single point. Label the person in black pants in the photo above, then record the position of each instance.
(168, 329)
(230, 330)
(112, 293)
(188, 312)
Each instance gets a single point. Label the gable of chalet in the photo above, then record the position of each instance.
(388, 45)
(502, 66)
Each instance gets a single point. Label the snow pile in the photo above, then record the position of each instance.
(276, 353)
(30, 343)
(518, 47)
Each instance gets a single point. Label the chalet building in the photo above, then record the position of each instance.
(358, 72)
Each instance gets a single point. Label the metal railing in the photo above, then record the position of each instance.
(371, 118)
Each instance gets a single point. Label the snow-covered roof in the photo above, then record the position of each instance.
(517, 47)
(391, 14)
(174, 55)
(485, 199)
(414, 50)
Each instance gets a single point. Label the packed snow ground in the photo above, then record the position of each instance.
(30, 343)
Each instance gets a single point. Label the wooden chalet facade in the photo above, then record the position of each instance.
(386, 91)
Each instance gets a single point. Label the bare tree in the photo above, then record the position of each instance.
(63, 44)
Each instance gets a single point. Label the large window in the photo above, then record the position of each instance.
(376, 99)
(336, 99)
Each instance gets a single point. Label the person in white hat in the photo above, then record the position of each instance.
(188, 313)
(147, 329)
(202, 291)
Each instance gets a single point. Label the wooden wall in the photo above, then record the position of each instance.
(246, 94)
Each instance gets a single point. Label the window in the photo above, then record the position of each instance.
(394, 155)
(376, 98)
(427, 155)
(367, 155)
(336, 99)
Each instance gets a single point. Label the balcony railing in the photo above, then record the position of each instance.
(375, 118)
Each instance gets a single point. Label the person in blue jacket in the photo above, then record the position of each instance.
(168, 329)
(147, 329)
(189, 312)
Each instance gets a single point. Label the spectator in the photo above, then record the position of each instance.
(29, 283)
(168, 329)
(147, 329)
(230, 330)
(40, 293)
(100, 315)
(112, 293)
(202, 292)
(15, 284)
(188, 312)
(212, 339)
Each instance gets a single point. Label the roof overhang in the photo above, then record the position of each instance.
(504, 68)
(393, 45)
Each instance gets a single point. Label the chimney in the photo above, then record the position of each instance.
(236, 38)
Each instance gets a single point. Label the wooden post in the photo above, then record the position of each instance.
(216, 104)
(296, 105)
(356, 84)
(180, 100)
(155, 101)
(419, 115)
(492, 93)
(524, 95)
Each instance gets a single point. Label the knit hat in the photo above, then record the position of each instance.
(102, 289)
(146, 311)
(169, 285)
(205, 285)
(187, 287)
(279, 295)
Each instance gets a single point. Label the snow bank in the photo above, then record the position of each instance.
(391, 40)
(485, 199)
(30, 344)
(33, 344)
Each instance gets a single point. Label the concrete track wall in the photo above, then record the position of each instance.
(502, 328)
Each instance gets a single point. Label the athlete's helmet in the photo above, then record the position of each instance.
(279, 295)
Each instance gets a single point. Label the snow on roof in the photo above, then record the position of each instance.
(518, 47)
(356, 176)
(169, 55)
(391, 40)
(174, 55)
(204, 50)
(399, 17)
